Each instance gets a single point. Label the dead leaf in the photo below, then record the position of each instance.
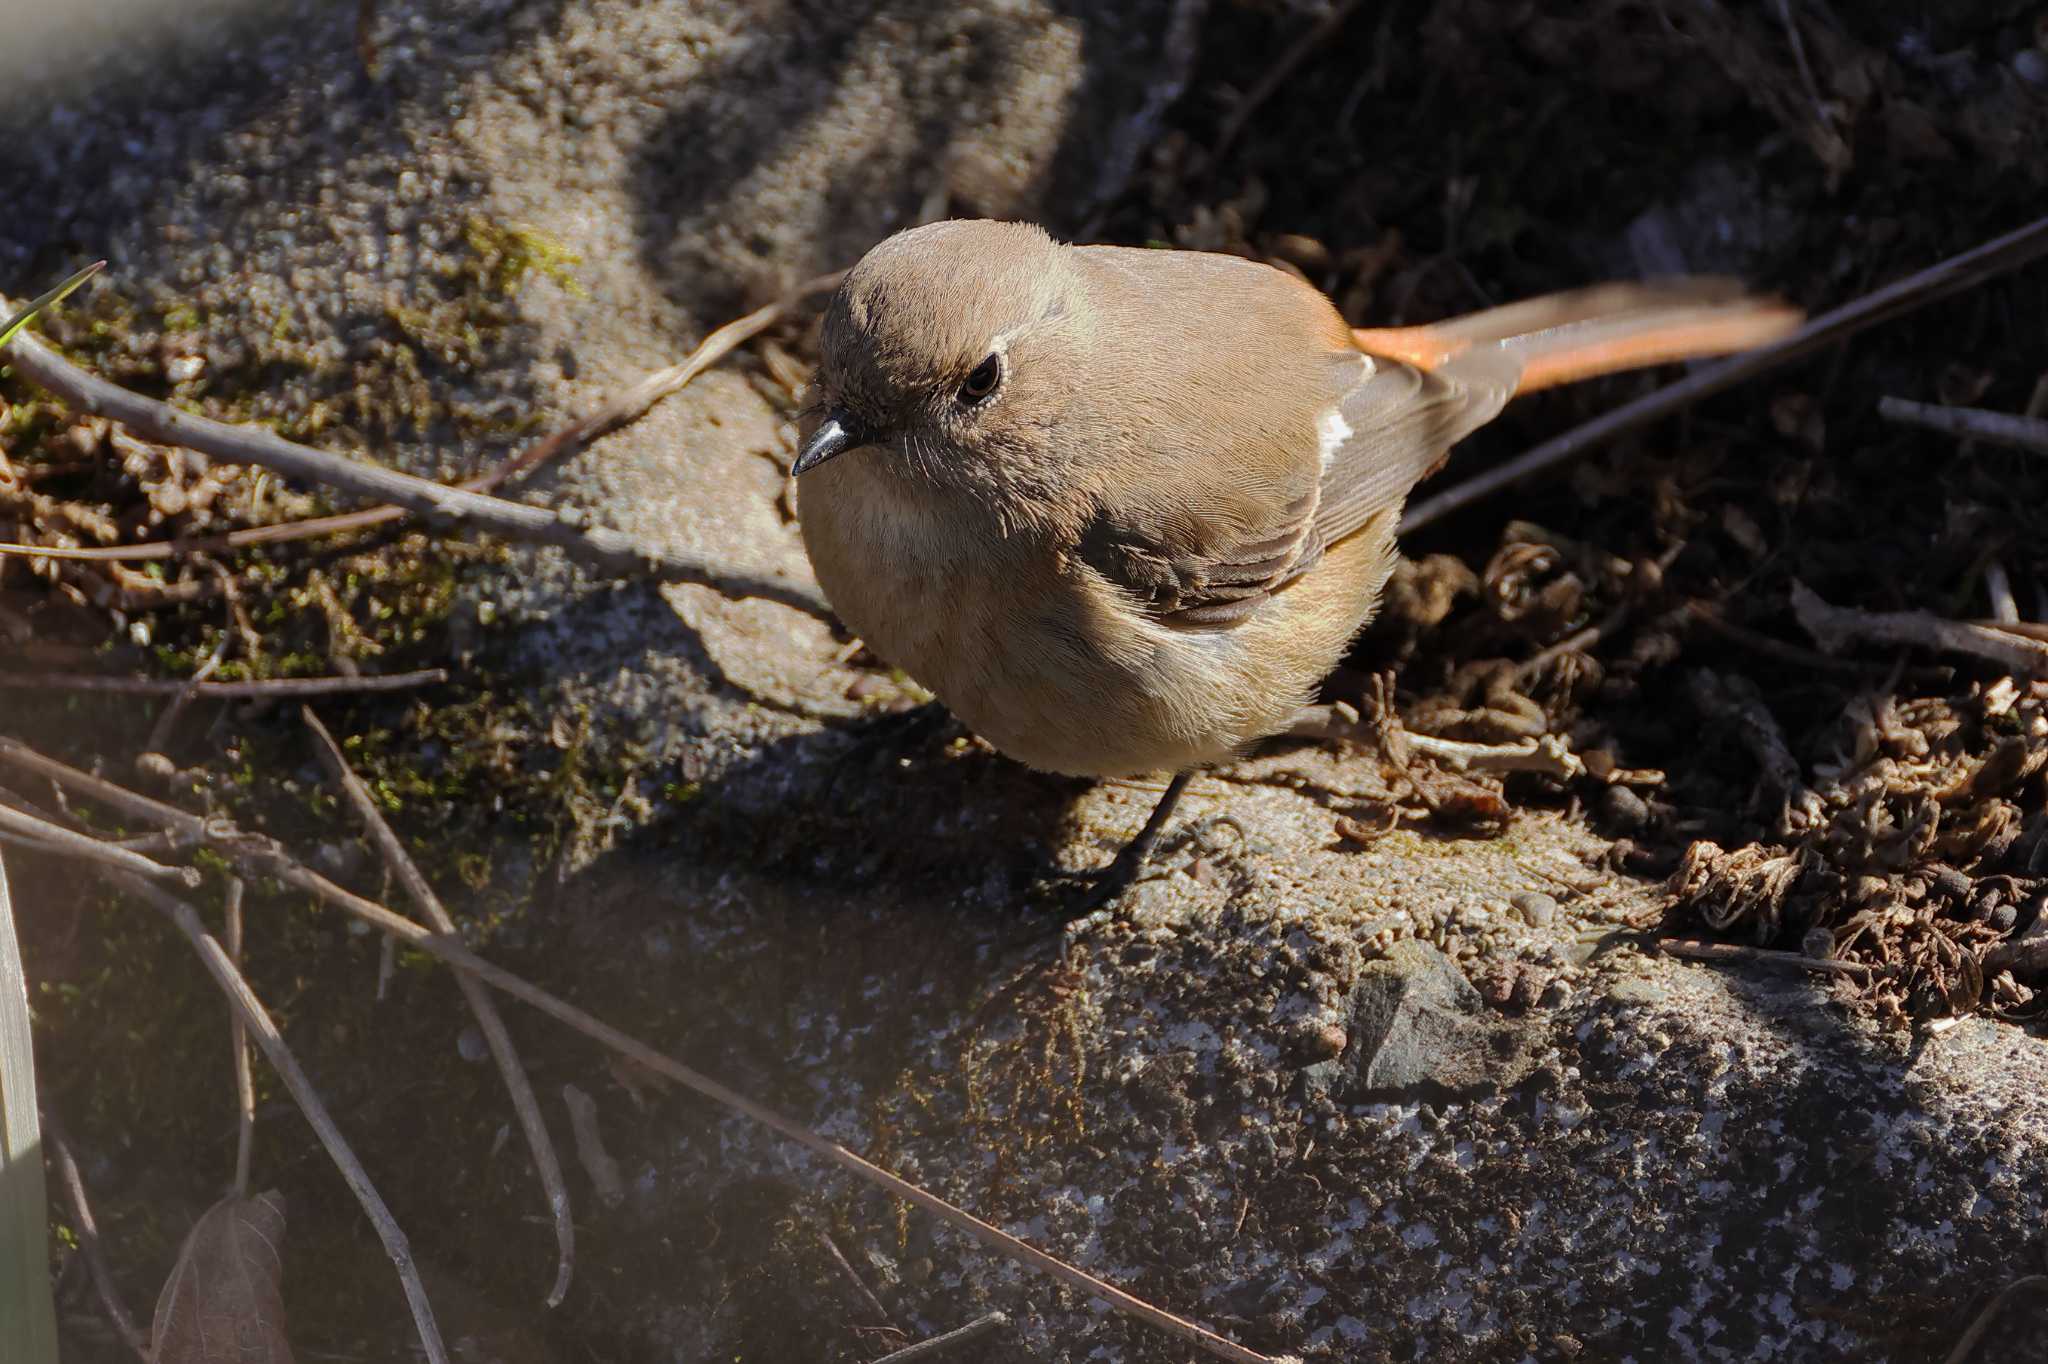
(223, 1303)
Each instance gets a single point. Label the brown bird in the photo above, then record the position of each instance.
(1123, 509)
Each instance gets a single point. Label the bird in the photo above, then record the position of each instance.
(1122, 509)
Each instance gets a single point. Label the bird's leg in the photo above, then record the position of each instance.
(1107, 883)
(1131, 859)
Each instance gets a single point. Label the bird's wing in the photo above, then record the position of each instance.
(1325, 430)
(1204, 552)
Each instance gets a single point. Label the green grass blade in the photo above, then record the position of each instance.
(28, 1322)
(51, 299)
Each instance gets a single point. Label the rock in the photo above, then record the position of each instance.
(1624, 809)
(520, 206)
(1417, 1027)
(1213, 1097)
(1537, 909)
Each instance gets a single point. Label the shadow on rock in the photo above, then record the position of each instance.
(833, 125)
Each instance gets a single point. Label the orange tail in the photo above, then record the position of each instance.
(1562, 338)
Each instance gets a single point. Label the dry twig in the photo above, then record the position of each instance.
(244, 1002)
(1276, 75)
(480, 1002)
(1728, 951)
(1739, 703)
(2022, 957)
(88, 1233)
(2032, 1283)
(1836, 627)
(874, 1304)
(238, 1038)
(160, 732)
(21, 827)
(1969, 423)
(1796, 655)
(1996, 257)
(938, 1345)
(268, 688)
(1545, 753)
(609, 550)
(608, 416)
(260, 856)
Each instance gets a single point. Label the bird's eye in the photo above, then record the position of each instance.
(983, 381)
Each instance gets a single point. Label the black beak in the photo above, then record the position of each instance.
(837, 434)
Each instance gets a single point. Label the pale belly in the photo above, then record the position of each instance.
(1042, 658)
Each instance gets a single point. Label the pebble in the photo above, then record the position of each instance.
(2031, 65)
(1537, 909)
(1624, 807)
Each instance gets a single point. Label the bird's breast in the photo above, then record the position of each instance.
(1031, 648)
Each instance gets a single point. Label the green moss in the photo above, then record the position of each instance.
(513, 252)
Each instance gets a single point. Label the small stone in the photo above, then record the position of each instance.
(1305, 252)
(2031, 65)
(1537, 909)
(1323, 1042)
(156, 767)
(470, 1045)
(1417, 1026)
(1624, 807)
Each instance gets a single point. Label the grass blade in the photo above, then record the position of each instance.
(28, 1323)
(49, 300)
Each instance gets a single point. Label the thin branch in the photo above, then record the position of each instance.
(1996, 257)
(480, 1002)
(953, 1339)
(1737, 703)
(2024, 957)
(1546, 754)
(1969, 423)
(40, 834)
(244, 1002)
(1796, 655)
(867, 1295)
(613, 413)
(238, 1038)
(88, 1233)
(161, 843)
(608, 550)
(1728, 951)
(260, 856)
(2030, 1284)
(1836, 627)
(1276, 76)
(1821, 111)
(270, 688)
(160, 732)
(2005, 609)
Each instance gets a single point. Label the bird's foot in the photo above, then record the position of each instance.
(1098, 889)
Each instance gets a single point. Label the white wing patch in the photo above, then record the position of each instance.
(1331, 428)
